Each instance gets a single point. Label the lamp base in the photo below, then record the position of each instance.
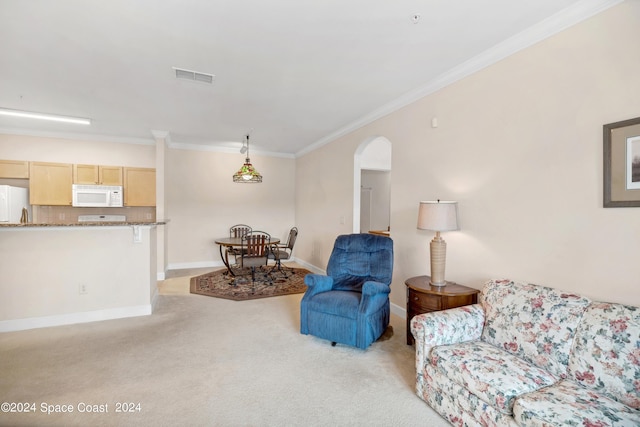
(438, 249)
(439, 285)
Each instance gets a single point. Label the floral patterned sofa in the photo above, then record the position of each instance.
(529, 355)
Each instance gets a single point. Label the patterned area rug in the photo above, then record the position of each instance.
(219, 284)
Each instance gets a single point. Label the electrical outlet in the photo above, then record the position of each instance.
(82, 289)
(147, 215)
(61, 216)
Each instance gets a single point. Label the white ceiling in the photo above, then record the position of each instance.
(294, 73)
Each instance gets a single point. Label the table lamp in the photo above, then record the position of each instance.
(438, 216)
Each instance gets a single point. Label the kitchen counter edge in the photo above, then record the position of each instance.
(85, 224)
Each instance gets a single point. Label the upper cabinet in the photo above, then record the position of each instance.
(50, 183)
(94, 174)
(139, 186)
(110, 175)
(14, 169)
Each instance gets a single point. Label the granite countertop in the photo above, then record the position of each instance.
(84, 224)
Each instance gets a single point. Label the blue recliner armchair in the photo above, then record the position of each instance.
(350, 305)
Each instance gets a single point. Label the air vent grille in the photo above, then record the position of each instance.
(196, 76)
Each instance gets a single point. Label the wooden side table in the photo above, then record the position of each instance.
(423, 298)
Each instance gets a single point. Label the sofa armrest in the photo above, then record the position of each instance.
(445, 327)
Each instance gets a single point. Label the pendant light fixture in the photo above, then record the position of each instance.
(247, 174)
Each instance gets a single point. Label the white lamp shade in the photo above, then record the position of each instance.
(438, 216)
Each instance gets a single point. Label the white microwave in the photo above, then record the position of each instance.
(97, 196)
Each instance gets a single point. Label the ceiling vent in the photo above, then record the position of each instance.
(195, 76)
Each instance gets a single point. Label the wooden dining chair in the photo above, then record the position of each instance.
(236, 231)
(239, 230)
(255, 253)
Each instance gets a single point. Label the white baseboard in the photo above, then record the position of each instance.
(398, 311)
(71, 318)
(199, 264)
(162, 275)
(310, 267)
(154, 297)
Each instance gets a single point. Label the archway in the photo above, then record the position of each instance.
(373, 154)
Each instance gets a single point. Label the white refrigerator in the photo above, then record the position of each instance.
(12, 201)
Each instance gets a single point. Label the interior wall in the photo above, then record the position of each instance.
(519, 146)
(61, 150)
(43, 269)
(324, 199)
(202, 202)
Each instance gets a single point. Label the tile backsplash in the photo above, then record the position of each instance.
(69, 215)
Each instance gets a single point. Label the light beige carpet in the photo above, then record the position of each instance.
(201, 361)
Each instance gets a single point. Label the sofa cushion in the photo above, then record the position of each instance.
(494, 375)
(606, 352)
(534, 322)
(568, 404)
(456, 404)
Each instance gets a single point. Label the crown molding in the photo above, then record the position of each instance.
(227, 149)
(560, 21)
(160, 134)
(77, 136)
(165, 135)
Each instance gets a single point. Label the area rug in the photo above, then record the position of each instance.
(241, 288)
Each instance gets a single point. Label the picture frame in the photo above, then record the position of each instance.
(621, 168)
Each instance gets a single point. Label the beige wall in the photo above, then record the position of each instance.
(202, 202)
(519, 146)
(41, 149)
(324, 199)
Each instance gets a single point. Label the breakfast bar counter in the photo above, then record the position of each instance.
(81, 224)
(56, 274)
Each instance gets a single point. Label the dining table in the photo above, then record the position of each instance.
(234, 242)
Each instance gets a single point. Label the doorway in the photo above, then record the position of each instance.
(372, 181)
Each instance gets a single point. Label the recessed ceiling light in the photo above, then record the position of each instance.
(43, 116)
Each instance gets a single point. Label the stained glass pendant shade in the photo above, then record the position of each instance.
(247, 173)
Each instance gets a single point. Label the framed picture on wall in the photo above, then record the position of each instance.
(633, 163)
(622, 164)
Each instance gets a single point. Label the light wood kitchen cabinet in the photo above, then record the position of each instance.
(111, 175)
(94, 174)
(14, 169)
(139, 186)
(50, 183)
